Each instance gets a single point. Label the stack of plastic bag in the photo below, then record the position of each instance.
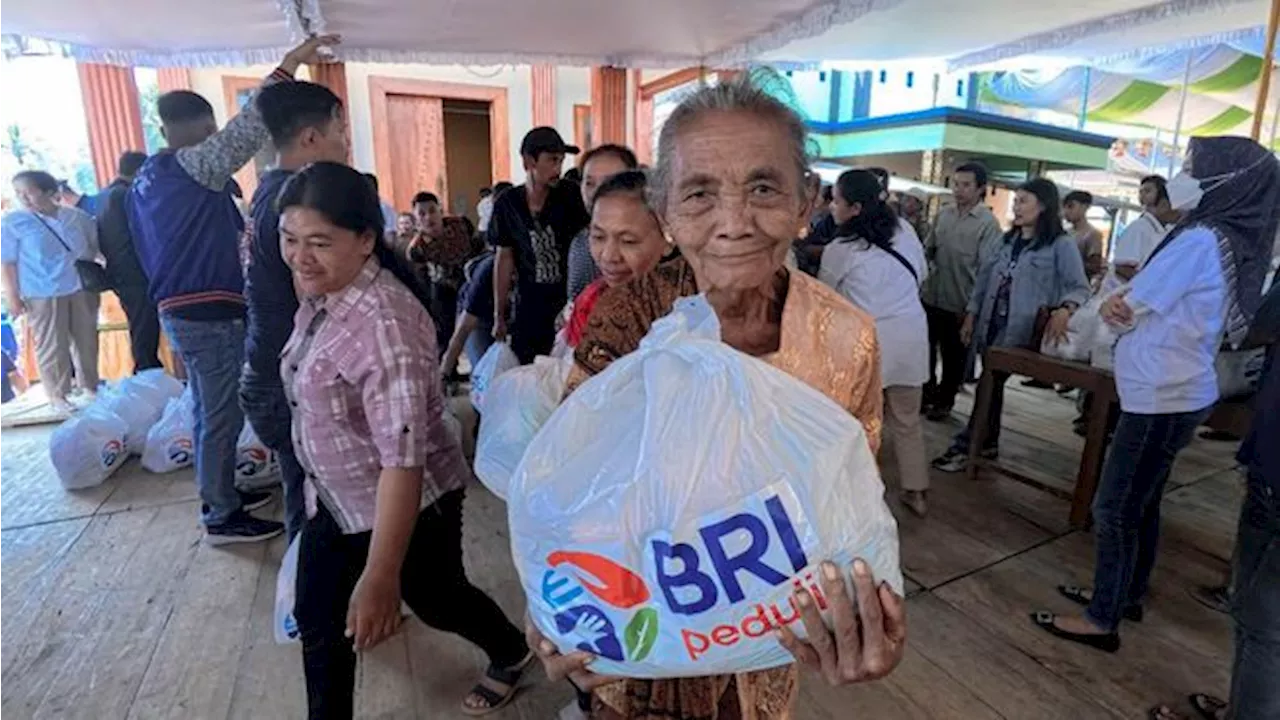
(171, 442)
(498, 359)
(256, 465)
(89, 447)
(519, 403)
(666, 512)
(139, 415)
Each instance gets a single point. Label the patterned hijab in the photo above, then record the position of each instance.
(1241, 206)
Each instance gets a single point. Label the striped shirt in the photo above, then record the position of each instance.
(363, 383)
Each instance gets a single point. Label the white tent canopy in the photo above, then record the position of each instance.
(650, 33)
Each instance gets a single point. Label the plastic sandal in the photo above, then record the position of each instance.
(495, 700)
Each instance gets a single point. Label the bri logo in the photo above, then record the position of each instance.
(253, 461)
(732, 559)
(112, 450)
(179, 451)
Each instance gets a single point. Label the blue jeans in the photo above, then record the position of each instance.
(267, 409)
(212, 351)
(1126, 511)
(1255, 604)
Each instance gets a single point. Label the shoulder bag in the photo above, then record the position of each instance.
(93, 276)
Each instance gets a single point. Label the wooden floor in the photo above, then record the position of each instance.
(112, 608)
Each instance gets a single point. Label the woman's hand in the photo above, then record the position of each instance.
(373, 614)
(867, 643)
(17, 308)
(966, 329)
(572, 667)
(1056, 331)
(1116, 311)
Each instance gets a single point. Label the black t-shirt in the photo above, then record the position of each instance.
(541, 244)
(268, 283)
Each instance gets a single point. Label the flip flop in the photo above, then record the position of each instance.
(1207, 706)
(497, 700)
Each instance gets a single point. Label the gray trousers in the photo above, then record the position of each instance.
(66, 335)
(902, 425)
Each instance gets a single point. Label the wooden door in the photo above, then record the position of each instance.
(415, 126)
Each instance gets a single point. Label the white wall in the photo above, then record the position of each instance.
(573, 87)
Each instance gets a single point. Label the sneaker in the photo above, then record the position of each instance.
(63, 407)
(1034, 383)
(250, 501)
(952, 461)
(242, 528)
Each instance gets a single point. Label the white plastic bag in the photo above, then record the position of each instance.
(254, 461)
(1082, 331)
(139, 414)
(89, 447)
(171, 442)
(498, 359)
(285, 626)
(519, 403)
(154, 386)
(664, 514)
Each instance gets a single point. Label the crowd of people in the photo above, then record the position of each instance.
(333, 323)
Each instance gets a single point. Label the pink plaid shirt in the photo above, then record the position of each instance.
(362, 378)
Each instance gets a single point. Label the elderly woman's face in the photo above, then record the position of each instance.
(324, 257)
(734, 201)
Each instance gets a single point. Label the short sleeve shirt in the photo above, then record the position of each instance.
(476, 297)
(47, 266)
(540, 243)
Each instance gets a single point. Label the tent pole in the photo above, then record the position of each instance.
(1268, 60)
(1155, 150)
(1275, 121)
(1084, 100)
(1182, 108)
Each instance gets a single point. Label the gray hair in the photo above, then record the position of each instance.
(740, 95)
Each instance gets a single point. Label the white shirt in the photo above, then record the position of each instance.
(878, 283)
(1139, 238)
(1179, 299)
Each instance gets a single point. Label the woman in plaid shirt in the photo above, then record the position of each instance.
(384, 476)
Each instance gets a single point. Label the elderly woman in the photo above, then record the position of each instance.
(626, 242)
(1200, 286)
(40, 246)
(729, 186)
(1037, 266)
(877, 263)
(384, 474)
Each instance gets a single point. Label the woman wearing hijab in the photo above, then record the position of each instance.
(1201, 285)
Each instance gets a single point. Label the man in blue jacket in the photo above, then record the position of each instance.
(187, 229)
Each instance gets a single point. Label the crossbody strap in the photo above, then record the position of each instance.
(49, 227)
(905, 263)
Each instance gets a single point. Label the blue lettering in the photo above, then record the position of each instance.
(749, 559)
(786, 533)
(690, 576)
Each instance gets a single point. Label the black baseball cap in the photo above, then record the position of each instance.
(545, 139)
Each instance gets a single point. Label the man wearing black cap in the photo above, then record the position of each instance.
(532, 226)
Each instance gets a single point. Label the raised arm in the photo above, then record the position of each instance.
(213, 161)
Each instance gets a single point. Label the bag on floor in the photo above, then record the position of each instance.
(153, 386)
(498, 359)
(139, 416)
(256, 464)
(664, 514)
(519, 403)
(285, 626)
(171, 443)
(89, 447)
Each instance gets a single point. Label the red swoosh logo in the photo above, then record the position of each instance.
(604, 578)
